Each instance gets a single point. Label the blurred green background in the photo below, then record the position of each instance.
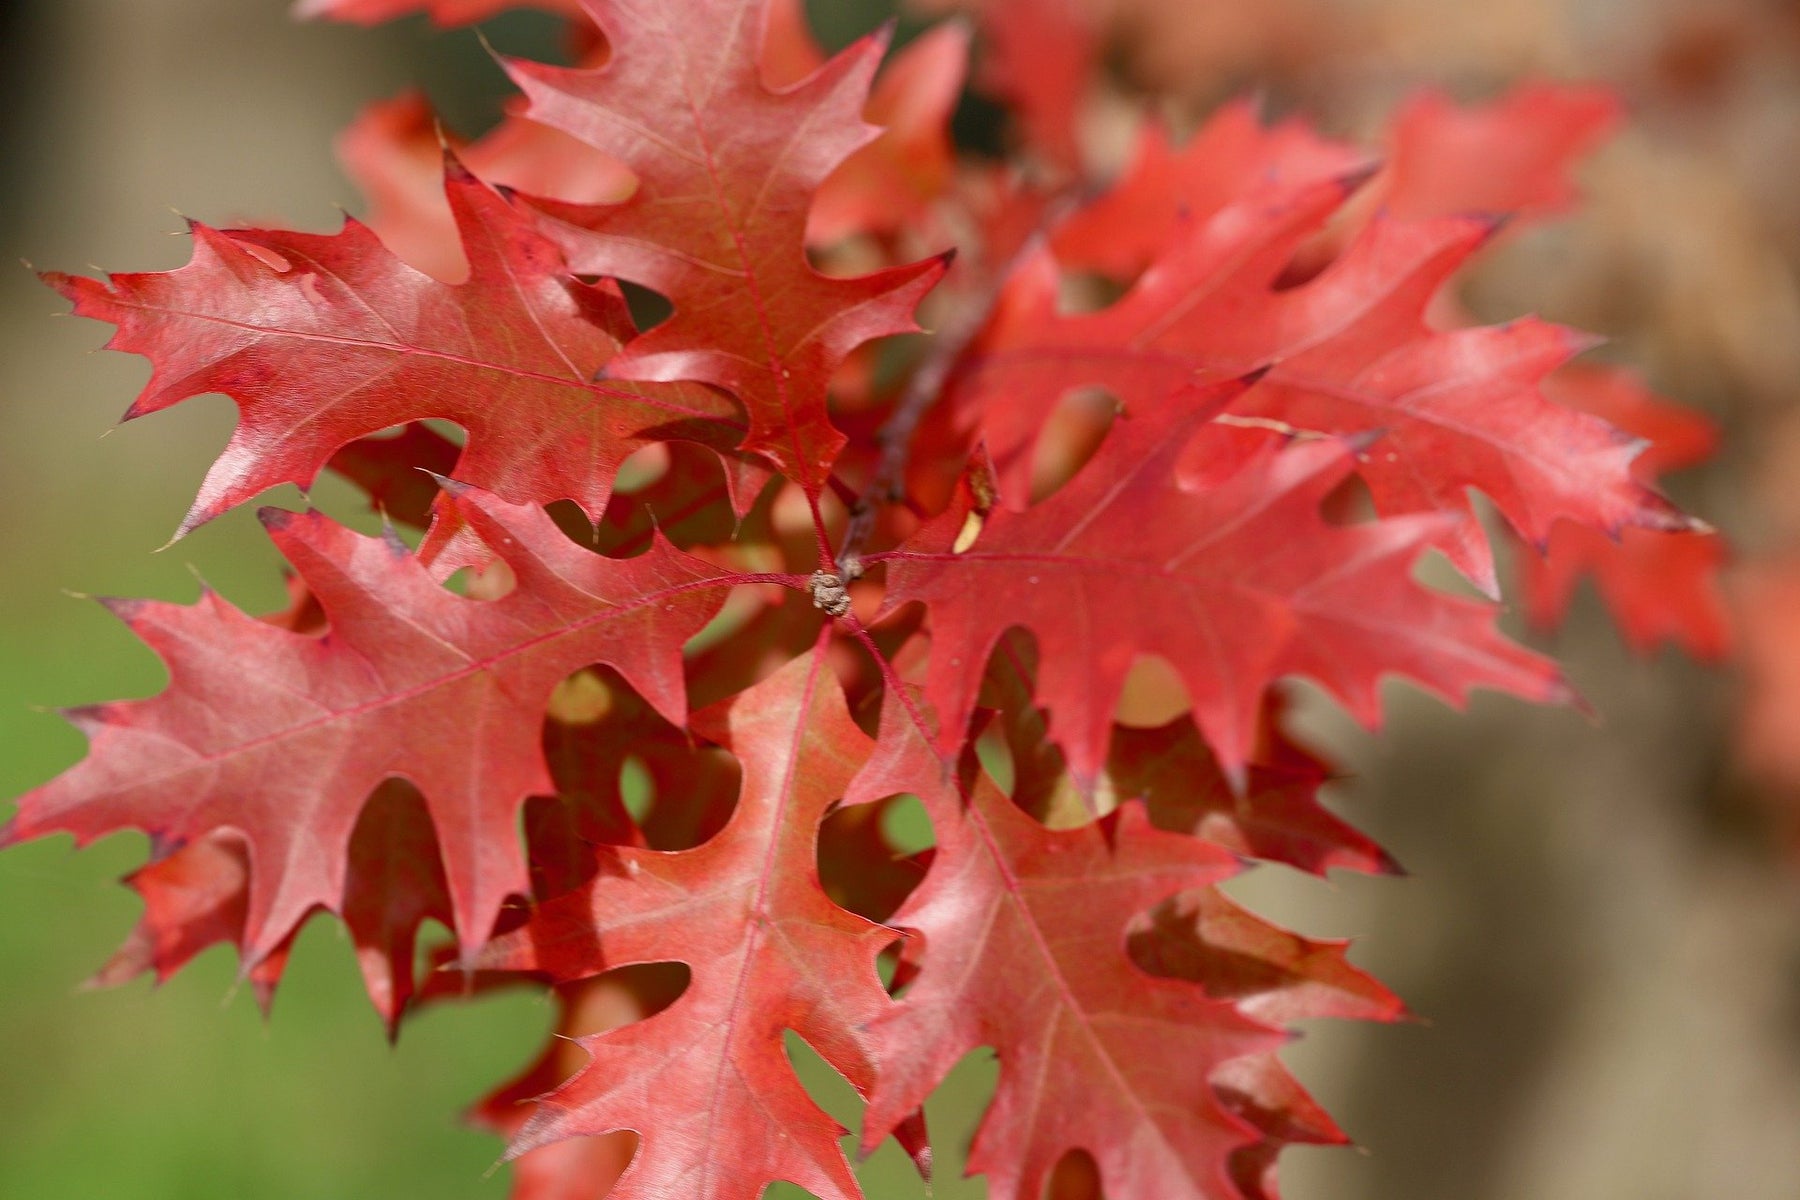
(1603, 942)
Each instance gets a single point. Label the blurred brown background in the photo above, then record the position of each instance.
(1601, 931)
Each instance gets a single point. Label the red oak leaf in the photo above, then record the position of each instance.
(1348, 351)
(707, 1082)
(394, 151)
(193, 899)
(1271, 973)
(1274, 975)
(889, 184)
(1659, 586)
(689, 500)
(1025, 950)
(1234, 587)
(1511, 160)
(393, 884)
(1040, 59)
(1170, 768)
(1513, 155)
(1166, 190)
(1081, 686)
(324, 339)
(579, 1168)
(1279, 816)
(727, 169)
(789, 51)
(283, 736)
(199, 895)
(196, 898)
(1260, 1091)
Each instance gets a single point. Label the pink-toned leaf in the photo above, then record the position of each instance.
(1025, 935)
(1347, 352)
(1234, 587)
(283, 736)
(1659, 586)
(1279, 816)
(1273, 975)
(1040, 59)
(727, 170)
(1166, 189)
(578, 1168)
(707, 1082)
(1513, 155)
(324, 339)
(1169, 767)
(193, 898)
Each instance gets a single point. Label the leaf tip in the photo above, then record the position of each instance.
(1351, 181)
(390, 538)
(876, 42)
(456, 172)
(1492, 224)
(198, 515)
(1561, 691)
(454, 488)
(1575, 342)
(261, 987)
(85, 718)
(1254, 376)
(123, 607)
(275, 520)
(63, 284)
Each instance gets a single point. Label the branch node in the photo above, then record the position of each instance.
(829, 590)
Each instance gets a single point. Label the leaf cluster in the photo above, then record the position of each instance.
(743, 584)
